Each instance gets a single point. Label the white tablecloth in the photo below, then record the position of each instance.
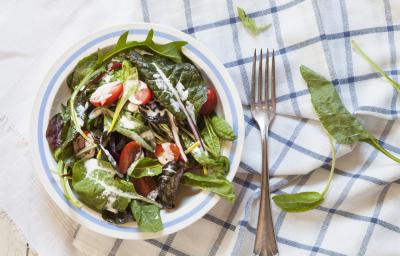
(359, 215)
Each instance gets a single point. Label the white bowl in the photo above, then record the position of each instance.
(191, 206)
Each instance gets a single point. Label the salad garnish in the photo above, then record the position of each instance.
(139, 123)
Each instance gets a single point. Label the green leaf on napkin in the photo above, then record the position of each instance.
(305, 201)
(299, 202)
(250, 24)
(375, 66)
(335, 118)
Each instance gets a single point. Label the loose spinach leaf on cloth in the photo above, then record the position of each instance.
(147, 216)
(222, 128)
(144, 167)
(375, 66)
(215, 182)
(335, 118)
(299, 202)
(94, 183)
(305, 201)
(250, 23)
(184, 77)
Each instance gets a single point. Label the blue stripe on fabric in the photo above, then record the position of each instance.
(295, 146)
(346, 191)
(358, 217)
(392, 47)
(317, 39)
(285, 59)
(167, 245)
(145, 11)
(292, 243)
(188, 17)
(324, 42)
(234, 19)
(287, 146)
(230, 217)
(371, 226)
(349, 56)
(169, 248)
(282, 214)
(238, 49)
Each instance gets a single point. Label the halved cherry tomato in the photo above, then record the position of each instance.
(115, 65)
(129, 154)
(106, 94)
(144, 185)
(212, 99)
(143, 95)
(167, 152)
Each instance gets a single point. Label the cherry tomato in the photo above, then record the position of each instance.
(209, 106)
(167, 152)
(144, 185)
(129, 154)
(106, 94)
(115, 65)
(143, 95)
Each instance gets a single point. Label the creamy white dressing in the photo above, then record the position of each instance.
(191, 110)
(174, 104)
(107, 78)
(95, 113)
(112, 193)
(126, 123)
(154, 113)
(111, 198)
(132, 107)
(183, 94)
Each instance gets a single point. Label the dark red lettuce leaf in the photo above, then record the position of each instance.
(54, 131)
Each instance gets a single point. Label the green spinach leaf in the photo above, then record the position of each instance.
(131, 82)
(212, 141)
(145, 167)
(186, 81)
(335, 118)
(94, 183)
(305, 201)
(83, 67)
(375, 66)
(299, 202)
(215, 182)
(250, 23)
(222, 128)
(170, 50)
(147, 216)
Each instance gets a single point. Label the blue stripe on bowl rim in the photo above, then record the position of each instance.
(52, 84)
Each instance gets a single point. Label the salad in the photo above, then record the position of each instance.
(140, 122)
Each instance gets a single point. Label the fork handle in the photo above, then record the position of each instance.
(265, 242)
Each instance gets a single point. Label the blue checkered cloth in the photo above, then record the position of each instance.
(359, 215)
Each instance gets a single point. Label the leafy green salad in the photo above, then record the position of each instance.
(140, 122)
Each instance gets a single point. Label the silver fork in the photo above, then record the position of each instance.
(263, 111)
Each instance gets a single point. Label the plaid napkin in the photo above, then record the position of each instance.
(359, 215)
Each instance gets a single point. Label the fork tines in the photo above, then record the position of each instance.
(268, 90)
